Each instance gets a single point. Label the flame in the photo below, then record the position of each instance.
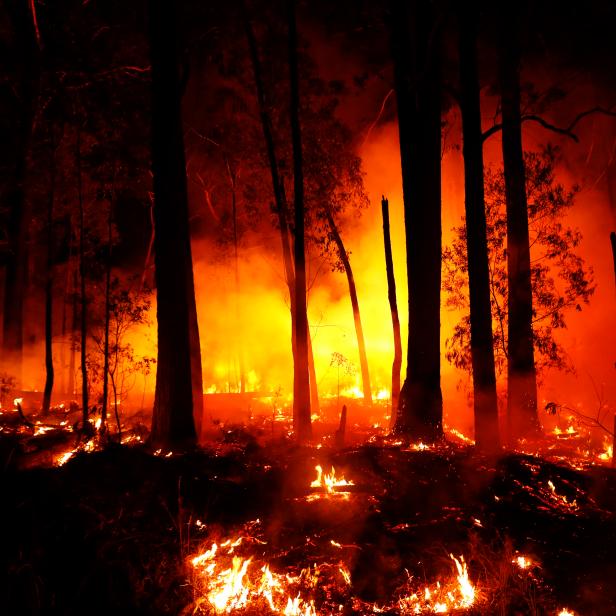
(329, 481)
(565, 612)
(441, 598)
(231, 582)
(523, 562)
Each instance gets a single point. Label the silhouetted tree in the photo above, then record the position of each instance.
(395, 320)
(522, 415)
(359, 330)
(177, 394)
(561, 281)
(301, 379)
(416, 54)
(485, 402)
(26, 67)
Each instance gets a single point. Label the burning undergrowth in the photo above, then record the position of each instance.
(386, 527)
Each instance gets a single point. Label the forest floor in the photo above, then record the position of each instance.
(124, 531)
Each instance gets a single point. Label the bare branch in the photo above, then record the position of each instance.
(566, 131)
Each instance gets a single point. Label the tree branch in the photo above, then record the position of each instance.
(567, 131)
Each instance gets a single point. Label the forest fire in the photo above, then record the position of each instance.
(306, 308)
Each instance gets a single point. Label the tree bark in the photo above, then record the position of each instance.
(178, 399)
(522, 416)
(49, 370)
(301, 379)
(415, 43)
(485, 402)
(395, 320)
(27, 59)
(359, 332)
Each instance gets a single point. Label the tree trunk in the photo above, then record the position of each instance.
(27, 59)
(395, 320)
(485, 402)
(178, 398)
(107, 318)
(83, 298)
(415, 42)
(361, 343)
(301, 379)
(613, 242)
(74, 329)
(49, 371)
(280, 202)
(521, 375)
(240, 350)
(315, 406)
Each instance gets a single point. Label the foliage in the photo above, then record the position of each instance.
(129, 308)
(561, 280)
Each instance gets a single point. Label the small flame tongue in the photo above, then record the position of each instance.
(329, 481)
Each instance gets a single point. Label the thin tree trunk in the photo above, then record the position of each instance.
(521, 374)
(359, 332)
(315, 406)
(87, 428)
(416, 43)
(74, 328)
(279, 195)
(27, 60)
(49, 370)
(107, 317)
(395, 320)
(485, 401)
(240, 350)
(178, 399)
(613, 243)
(301, 378)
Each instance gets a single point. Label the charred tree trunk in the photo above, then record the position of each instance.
(178, 401)
(87, 428)
(482, 347)
(107, 317)
(301, 379)
(395, 320)
(361, 343)
(521, 375)
(27, 61)
(416, 42)
(49, 371)
(280, 202)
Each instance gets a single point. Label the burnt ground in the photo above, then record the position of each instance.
(110, 532)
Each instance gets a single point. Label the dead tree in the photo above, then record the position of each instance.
(359, 331)
(395, 320)
(522, 414)
(485, 401)
(415, 46)
(178, 397)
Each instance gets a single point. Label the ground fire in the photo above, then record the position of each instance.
(307, 308)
